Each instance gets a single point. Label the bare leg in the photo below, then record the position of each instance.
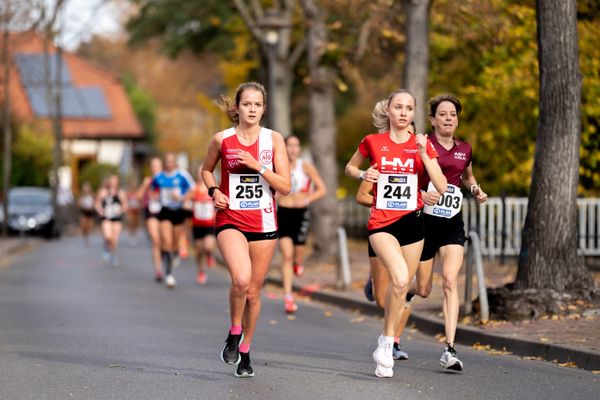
(380, 278)
(287, 251)
(452, 257)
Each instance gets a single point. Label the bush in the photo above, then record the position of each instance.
(95, 172)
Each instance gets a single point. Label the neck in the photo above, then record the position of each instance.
(444, 138)
(399, 135)
(247, 131)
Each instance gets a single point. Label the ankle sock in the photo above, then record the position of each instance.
(236, 330)
(245, 348)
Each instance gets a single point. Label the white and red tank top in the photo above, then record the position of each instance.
(251, 199)
(300, 181)
(401, 167)
(203, 209)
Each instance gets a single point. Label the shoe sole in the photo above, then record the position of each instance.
(452, 367)
(244, 375)
(400, 358)
(239, 356)
(384, 372)
(381, 364)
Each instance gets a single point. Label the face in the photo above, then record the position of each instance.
(401, 110)
(155, 166)
(445, 120)
(113, 182)
(251, 107)
(293, 148)
(170, 162)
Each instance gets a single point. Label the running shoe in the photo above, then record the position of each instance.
(449, 359)
(114, 261)
(210, 261)
(170, 281)
(244, 369)
(383, 354)
(368, 289)
(290, 305)
(201, 278)
(105, 255)
(231, 353)
(298, 270)
(410, 297)
(158, 276)
(398, 353)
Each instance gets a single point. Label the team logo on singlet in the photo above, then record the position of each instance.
(385, 148)
(460, 156)
(266, 156)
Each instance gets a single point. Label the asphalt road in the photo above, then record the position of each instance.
(71, 327)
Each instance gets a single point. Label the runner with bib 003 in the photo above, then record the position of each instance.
(444, 227)
(254, 165)
(398, 160)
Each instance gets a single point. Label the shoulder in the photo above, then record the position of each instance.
(462, 145)
(277, 137)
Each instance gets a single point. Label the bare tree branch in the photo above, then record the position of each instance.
(258, 9)
(296, 53)
(251, 23)
(363, 38)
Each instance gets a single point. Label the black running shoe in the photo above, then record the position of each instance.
(231, 353)
(368, 289)
(244, 369)
(409, 297)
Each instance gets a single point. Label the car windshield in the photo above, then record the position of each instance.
(36, 199)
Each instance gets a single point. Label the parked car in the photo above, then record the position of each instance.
(30, 211)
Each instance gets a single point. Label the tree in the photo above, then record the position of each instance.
(548, 258)
(416, 56)
(321, 92)
(272, 28)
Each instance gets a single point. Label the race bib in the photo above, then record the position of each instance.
(397, 192)
(112, 210)
(248, 192)
(154, 206)
(449, 204)
(204, 210)
(170, 196)
(86, 202)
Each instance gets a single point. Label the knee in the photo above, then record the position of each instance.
(399, 286)
(449, 282)
(423, 290)
(241, 285)
(253, 295)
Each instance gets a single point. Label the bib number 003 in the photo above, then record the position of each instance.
(448, 205)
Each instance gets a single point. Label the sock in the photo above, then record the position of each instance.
(236, 330)
(245, 348)
(166, 257)
(289, 296)
(397, 340)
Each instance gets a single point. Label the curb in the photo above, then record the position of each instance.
(15, 248)
(466, 335)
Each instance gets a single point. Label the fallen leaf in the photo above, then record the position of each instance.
(291, 317)
(555, 318)
(273, 322)
(569, 364)
(533, 358)
(358, 320)
(596, 372)
(544, 339)
(327, 313)
(440, 337)
(479, 346)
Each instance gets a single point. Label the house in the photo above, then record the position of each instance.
(98, 121)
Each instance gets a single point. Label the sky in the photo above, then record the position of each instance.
(84, 18)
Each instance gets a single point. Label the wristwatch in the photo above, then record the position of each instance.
(211, 190)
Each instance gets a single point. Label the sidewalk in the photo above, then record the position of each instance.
(12, 246)
(572, 340)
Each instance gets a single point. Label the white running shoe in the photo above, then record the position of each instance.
(449, 359)
(170, 281)
(382, 372)
(383, 354)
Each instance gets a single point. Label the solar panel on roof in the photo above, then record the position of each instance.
(94, 103)
(79, 103)
(32, 68)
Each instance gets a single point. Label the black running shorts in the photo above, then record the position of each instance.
(441, 232)
(293, 223)
(407, 230)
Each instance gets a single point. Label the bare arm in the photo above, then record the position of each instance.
(470, 182)
(320, 188)
(98, 202)
(213, 155)
(431, 165)
(353, 171)
(364, 195)
(123, 199)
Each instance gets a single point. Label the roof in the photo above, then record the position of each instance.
(95, 104)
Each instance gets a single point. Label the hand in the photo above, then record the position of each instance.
(220, 201)
(431, 198)
(371, 174)
(421, 143)
(480, 195)
(247, 160)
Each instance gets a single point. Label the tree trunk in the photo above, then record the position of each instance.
(280, 93)
(6, 121)
(548, 258)
(322, 131)
(57, 128)
(416, 56)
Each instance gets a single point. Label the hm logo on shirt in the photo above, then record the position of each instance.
(396, 163)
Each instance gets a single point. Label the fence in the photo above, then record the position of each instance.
(499, 223)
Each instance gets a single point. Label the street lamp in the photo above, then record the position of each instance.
(271, 25)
